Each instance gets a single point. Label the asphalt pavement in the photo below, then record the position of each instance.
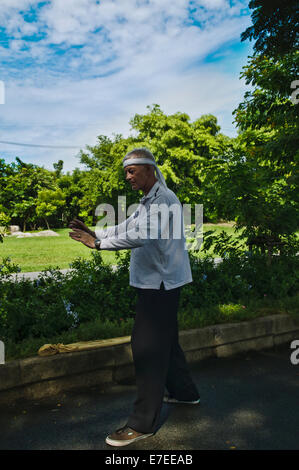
(249, 401)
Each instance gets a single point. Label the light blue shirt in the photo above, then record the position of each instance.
(158, 250)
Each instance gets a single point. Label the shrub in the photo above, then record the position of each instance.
(239, 279)
(93, 301)
(94, 290)
(33, 308)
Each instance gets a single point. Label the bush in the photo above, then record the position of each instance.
(94, 290)
(239, 280)
(93, 301)
(56, 303)
(33, 308)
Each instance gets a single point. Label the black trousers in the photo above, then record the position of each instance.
(158, 358)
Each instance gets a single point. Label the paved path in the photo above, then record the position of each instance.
(249, 401)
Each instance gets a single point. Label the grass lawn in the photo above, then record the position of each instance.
(39, 253)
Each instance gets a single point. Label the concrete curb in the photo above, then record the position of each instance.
(39, 377)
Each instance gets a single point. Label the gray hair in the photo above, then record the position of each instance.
(141, 152)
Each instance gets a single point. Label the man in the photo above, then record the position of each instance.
(159, 266)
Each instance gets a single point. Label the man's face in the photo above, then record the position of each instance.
(136, 175)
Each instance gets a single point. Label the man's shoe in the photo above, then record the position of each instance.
(167, 399)
(125, 436)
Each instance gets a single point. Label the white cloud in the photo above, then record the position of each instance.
(213, 4)
(142, 53)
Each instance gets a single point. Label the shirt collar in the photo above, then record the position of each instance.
(151, 192)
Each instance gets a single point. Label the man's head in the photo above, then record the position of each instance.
(140, 176)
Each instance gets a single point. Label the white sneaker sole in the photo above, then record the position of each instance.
(114, 442)
(174, 401)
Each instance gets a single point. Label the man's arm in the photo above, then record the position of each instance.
(147, 227)
(113, 231)
(79, 225)
(83, 234)
(133, 232)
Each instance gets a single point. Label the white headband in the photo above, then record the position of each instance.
(146, 161)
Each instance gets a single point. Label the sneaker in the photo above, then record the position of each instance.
(125, 436)
(167, 399)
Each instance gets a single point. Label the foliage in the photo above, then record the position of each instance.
(66, 305)
(31, 196)
(7, 268)
(94, 290)
(252, 179)
(182, 149)
(19, 187)
(274, 27)
(4, 222)
(33, 308)
(48, 203)
(258, 185)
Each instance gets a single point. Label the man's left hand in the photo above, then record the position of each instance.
(83, 237)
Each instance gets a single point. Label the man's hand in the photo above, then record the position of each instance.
(83, 237)
(77, 224)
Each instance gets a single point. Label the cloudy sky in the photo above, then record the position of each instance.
(75, 69)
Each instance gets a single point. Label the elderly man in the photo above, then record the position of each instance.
(159, 267)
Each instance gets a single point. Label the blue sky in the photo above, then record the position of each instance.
(75, 69)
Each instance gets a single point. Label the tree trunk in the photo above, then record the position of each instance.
(269, 257)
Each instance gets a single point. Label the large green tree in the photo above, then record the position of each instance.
(49, 203)
(275, 27)
(259, 185)
(20, 184)
(182, 149)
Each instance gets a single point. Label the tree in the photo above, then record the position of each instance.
(263, 176)
(5, 170)
(181, 148)
(71, 184)
(48, 203)
(274, 27)
(20, 185)
(58, 168)
(4, 222)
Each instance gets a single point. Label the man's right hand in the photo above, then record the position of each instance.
(81, 226)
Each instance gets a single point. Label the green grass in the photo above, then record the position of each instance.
(39, 253)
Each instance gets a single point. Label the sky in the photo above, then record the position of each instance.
(75, 69)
